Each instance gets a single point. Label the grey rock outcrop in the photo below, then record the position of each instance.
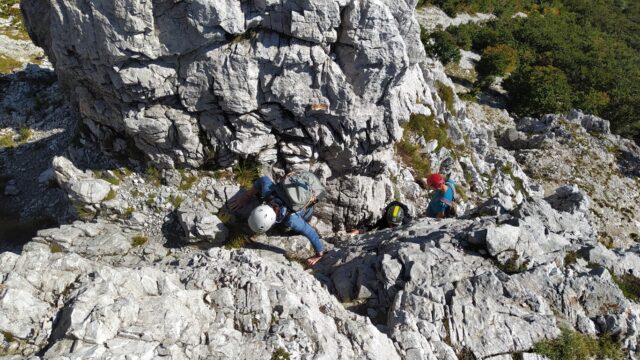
(198, 224)
(438, 292)
(337, 74)
(222, 305)
(80, 186)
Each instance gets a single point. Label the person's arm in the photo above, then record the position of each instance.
(297, 224)
(263, 187)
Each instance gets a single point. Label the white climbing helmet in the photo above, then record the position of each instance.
(262, 219)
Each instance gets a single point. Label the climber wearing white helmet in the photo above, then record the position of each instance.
(290, 203)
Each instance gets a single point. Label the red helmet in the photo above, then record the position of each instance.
(435, 180)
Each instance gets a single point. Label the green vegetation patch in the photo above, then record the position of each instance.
(16, 29)
(518, 182)
(176, 200)
(441, 45)
(629, 284)
(187, 181)
(6, 141)
(84, 214)
(572, 345)
(280, 354)
(570, 258)
(511, 266)
(446, 94)
(152, 176)
(9, 337)
(110, 196)
(238, 237)
(55, 248)
(24, 134)
(246, 172)
(139, 240)
(570, 54)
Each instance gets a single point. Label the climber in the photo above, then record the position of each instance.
(289, 203)
(395, 214)
(441, 204)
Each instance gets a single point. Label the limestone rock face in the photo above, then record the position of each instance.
(489, 286)
(198, 224)
(80, 186)
(189, 80)
(221, 305)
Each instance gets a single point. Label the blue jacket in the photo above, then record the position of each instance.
(296, 221)
(439, 200)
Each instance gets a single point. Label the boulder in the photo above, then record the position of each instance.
(80, 186)
(198, 224)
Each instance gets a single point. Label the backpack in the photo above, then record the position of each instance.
(300, 190)
(452, 206)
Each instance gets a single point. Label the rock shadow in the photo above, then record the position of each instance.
(36, 124)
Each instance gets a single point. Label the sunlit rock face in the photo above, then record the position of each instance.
(196, 82)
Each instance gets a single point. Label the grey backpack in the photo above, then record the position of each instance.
(301, 189)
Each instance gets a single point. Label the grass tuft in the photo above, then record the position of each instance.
(446, 94)
(187, 182)
(570, 258)
(176, 200)
(110, 196)
(25, 134)
(572, 345)
(238, 237)
(246, 172)
(139, 240)
(6, 141)
(629, 284)
(152, 176)
(55, 248)
(280, 354)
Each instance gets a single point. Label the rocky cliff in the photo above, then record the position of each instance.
(182, 102)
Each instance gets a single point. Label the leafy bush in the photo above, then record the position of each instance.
(596, 45)
(442, 45)
(280, 354)
(497, 61)
(539, 90)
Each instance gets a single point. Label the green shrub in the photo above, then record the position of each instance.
(497, 61)
(139, 240)
(570, 258)
(127, 213)
(535, 91)
(441, 45)
(280, 354)
(572, 345)
(84, 214)
(511, 265)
